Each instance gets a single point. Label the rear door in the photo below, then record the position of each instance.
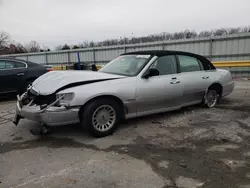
(194, 79)
(162, 92)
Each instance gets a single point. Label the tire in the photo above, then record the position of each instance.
(94, 117)
(211, 98)
(25, 87)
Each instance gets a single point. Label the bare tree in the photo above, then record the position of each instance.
(186, 34)
(65, 47)
(220, 32)
(4, 39)
(190, 34)
(205, 34)
(33, 46)
(19, 48)
(91, 44)
(58, 48)
(75, 47)
(246, 29)
(85, 44)
(234, 30)
(178, 35)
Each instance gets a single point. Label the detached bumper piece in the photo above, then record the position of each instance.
(50, 115)
(17, 116)
(42, 130)
(16, 119)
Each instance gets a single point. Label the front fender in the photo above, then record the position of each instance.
(122, 89)
(89, 98)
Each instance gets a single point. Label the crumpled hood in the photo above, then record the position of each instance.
(55, 80)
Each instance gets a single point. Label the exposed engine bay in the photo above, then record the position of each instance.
(31, 98)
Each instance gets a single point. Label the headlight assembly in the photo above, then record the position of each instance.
(65, 98)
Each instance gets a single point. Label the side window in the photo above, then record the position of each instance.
(20, 65)
(165, 65)
(2, 65)
(9, 65)
(189, 64)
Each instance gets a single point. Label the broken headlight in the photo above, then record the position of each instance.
(65, 98)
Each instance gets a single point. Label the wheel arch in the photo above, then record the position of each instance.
(110, 96)
(32, 78)
(24, 83)
(217, 86)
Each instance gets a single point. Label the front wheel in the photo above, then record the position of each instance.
(25, 87)
(101, 116)
(211, 98)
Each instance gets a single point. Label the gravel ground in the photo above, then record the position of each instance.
(192, 147)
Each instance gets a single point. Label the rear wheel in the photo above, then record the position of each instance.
(101, 117)
(211, 98)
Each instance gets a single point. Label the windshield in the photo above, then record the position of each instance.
(127, 65)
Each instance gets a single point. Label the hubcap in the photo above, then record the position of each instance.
(104, 118)
(212, 98)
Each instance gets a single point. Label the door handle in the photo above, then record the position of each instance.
(20, 74)
(175, 82)
(205, 77)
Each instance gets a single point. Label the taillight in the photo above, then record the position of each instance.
(49, 69)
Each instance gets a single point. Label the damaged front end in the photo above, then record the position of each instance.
(52, 110)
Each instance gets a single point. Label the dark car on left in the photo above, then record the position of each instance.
(16, 75)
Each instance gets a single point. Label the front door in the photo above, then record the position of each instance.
(162, 92)
(11, 76)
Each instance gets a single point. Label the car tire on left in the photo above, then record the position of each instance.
(101, 116)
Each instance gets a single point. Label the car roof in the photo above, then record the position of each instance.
(162, 53)
(29, 63)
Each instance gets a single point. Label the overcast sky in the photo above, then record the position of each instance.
(53, 22)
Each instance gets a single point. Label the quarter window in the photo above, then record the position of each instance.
(20, 65)
(2, 64)
(189, 64)
(9, 65)
(165, 65)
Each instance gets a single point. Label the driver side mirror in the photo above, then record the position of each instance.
(151, 72)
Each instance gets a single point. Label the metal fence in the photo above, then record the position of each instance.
(220, 48)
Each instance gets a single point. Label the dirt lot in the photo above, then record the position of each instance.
(194, 147)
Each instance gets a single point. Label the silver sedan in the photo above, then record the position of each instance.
(133, 84)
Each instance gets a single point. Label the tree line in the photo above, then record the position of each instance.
(187, 34)
(7, 47)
